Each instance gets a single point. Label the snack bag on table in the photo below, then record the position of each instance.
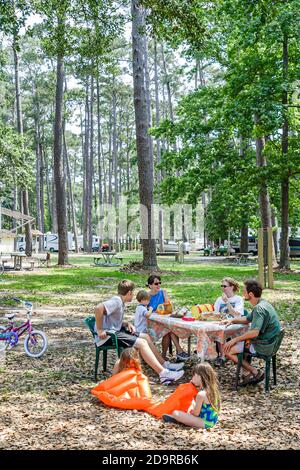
(204, 312)
(164, 309)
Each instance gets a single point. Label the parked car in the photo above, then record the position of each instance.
(252, 246)
(173, 246)
(294, 244)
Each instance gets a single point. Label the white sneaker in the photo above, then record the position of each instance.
(167, 375)
(173, 365)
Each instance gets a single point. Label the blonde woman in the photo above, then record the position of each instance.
(230, 305)
(204, 410)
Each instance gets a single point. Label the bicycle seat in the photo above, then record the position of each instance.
(10, 316)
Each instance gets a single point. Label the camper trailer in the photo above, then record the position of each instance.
(95, 245)
(21, 243)
(51, 242)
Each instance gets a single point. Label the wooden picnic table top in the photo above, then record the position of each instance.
(18, 253)
(108, 257)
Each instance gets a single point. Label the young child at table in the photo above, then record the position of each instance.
(129, 359)
(204, 410)
(142, 312)
(109, 316)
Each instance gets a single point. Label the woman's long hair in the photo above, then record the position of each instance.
(232, 282)
(210, 384)
(130, 360)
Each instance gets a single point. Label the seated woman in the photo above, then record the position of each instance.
(229, 305)
(159, 296)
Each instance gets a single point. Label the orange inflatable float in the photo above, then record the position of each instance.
(129, 389)
(180, 399)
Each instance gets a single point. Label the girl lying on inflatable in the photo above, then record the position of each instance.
(195, 404)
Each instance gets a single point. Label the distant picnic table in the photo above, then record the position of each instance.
(169, 253)
(18, 259)
(107, 258)
(241, 258)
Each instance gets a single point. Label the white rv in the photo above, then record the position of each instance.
(21, 243)
(95, 245)
(51, 242)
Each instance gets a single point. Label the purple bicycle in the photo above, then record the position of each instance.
(35, 342)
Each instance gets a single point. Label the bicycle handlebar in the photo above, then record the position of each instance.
(25, 303)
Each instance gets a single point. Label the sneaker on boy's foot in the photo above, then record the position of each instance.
(219, 361)
(173, 365)
(167, 375)
(169, 419)
(183, 356)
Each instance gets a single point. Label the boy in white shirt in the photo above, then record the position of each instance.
(109, 317)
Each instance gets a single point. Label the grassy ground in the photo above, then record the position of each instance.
(47, 404)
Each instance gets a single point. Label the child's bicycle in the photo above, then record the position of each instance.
(35, 342)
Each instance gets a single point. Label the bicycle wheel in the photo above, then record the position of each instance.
(35, 344)
(2, 330)
(11, 340)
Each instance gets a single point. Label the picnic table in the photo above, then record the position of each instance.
(18, 259)
(107, 258)
(206, 332)
(169, 253)
(241, 258)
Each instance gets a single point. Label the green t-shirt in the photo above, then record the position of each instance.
(265, 319)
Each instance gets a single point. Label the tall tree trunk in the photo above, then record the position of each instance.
(275, 234)
(100, 173)
(15, 208)
(28, 232)
(264, 200)
(48, 188)
(158, 151)
(144, 156)
(115, 158)
(53, 200)
(85, 202)
(72, 206)
(59, 167)
(110, 173)
(284, 239)
(244, 239)
(38, 179)
(91, 171)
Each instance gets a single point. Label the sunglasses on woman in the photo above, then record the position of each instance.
(223, 285)
(157, 283)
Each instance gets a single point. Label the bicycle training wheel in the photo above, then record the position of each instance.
(35, 344)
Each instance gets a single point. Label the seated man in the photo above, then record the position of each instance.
(109, 316)
(264, 328)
